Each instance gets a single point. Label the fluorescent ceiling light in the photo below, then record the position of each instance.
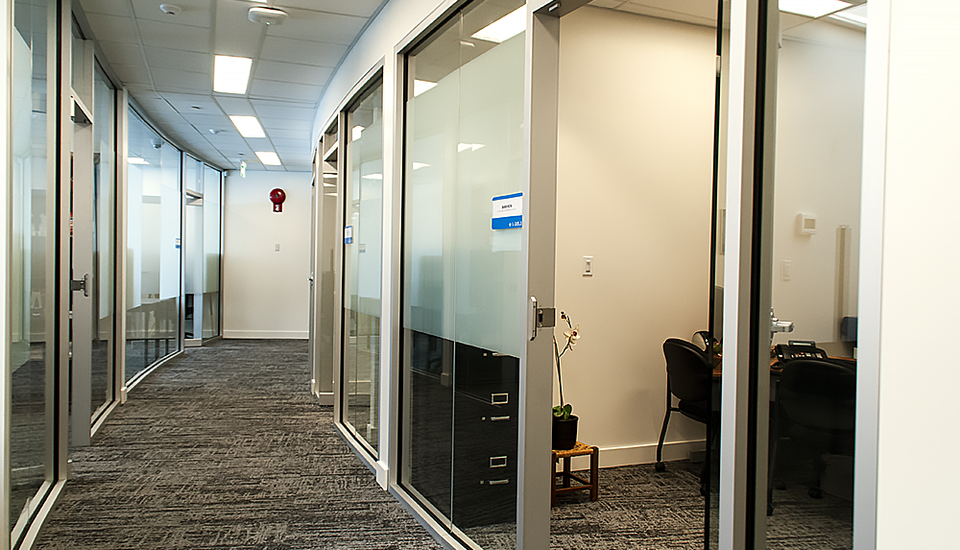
(248, 126)
(420, 86)
(230, 74)
(461, 147)
(813, 8)
(856, 15)
(269, 158)
(419, 165)
(136, 160)
(357, 131)
(373, 177)
(504, 28)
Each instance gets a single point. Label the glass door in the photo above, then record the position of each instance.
(806, 231)
(464, 274)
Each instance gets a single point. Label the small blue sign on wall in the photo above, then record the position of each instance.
(508, 211)
(348, 234)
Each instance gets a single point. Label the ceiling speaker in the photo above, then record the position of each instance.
(267, 16)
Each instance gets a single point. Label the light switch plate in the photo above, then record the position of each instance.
(588, 266)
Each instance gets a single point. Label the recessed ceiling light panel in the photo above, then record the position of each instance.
(813, 8)
(504, 28)
(268, 158)
(230, 74)
(248, 126)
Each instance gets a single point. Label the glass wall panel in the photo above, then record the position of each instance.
(32, 244)
(462, 302)
(363, 214)
(104, 223)
(153, 247)
(211, 252)
(815, 257)
(193, 247)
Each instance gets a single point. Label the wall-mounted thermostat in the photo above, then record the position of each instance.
(807, 223)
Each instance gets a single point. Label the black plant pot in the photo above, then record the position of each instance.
(564, 433)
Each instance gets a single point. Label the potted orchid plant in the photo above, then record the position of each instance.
(564, 422)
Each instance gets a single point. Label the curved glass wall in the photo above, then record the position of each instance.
(153, 247)
(31, 262)
(363, 212)
(462, 296)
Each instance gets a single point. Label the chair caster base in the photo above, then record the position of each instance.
(660, 467)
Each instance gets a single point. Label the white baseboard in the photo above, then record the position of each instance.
(266, 334)
(640, 454)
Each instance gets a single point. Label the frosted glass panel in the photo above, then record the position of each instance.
(361, 266)
(463, 299)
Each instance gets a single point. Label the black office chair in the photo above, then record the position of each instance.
(690, 379)
(816, 403)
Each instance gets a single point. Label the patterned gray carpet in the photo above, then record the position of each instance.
(226, 448)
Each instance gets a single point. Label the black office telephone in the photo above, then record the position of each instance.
(798, 350)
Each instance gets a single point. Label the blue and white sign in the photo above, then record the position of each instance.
(508, 211)
(348, 234)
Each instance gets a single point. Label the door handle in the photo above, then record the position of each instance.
(81, 284)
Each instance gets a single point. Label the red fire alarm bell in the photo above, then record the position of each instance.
(277, 196)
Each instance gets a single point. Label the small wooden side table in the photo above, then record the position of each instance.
(580, 449)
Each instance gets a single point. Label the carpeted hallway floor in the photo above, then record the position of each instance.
(226, 449)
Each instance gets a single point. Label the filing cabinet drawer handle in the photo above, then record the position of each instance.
(499, 398)
(498, 482)
(498, 462)
(499, 418)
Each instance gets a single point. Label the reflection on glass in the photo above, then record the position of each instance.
(462, 303)
(192, 247)
(211, 252)
(363, 206)
(31, 218)
(153, 247)
(104, 181)
(816, 221)
(327, 219)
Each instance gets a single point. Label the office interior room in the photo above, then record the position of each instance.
(705, 192)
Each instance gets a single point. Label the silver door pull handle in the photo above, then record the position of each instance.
(81, 284)
(498, 482)
(499, 418)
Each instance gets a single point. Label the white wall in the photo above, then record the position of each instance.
(265, 292)
(911, 177)
(634, 192)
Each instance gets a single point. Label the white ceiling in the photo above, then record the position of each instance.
(166, 63)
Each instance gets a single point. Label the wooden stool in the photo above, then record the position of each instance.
(580, 449)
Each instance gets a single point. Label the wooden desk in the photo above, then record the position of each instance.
(580, 449)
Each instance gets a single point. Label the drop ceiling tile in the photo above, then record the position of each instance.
(133, 74)
(173, 80)
(112, 7)
(204, 121)
(302, 51)
(185, 103)
(119, 53)
(319, 27)
(293, 145)
(234, 33)
(233, 105)
(277, 110)
(166, 58)
(364, 8)
(115, 28)
(179, 37)
(284, 90)
(196, 13)
(286, 133)
(292, 72)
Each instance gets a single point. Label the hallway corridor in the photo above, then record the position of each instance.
(226, 448)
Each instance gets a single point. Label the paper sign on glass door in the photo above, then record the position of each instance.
(508, 211)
